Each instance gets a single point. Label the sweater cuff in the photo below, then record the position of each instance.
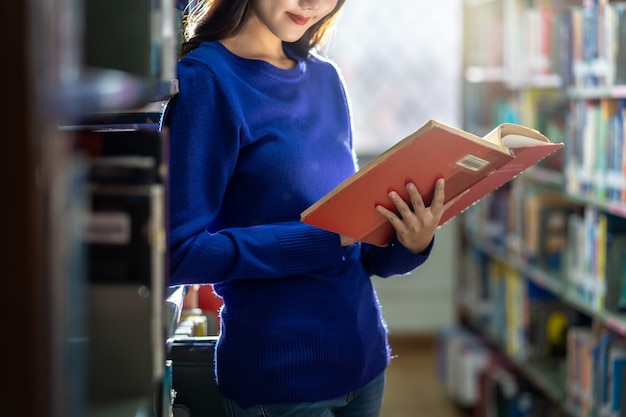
(309, 248)
(406, 261)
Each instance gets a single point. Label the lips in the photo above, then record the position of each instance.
(300, 20)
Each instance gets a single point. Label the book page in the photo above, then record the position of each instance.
(517, 141)
(512, 135)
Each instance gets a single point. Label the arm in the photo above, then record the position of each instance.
(260, 252)
(204, 136)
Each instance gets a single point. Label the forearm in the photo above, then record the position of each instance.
(260, 252)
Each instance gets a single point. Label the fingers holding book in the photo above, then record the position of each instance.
(415, 223)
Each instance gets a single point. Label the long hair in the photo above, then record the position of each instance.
(212, 20)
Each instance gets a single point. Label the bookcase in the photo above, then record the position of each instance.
(85, 270)
(542, 281)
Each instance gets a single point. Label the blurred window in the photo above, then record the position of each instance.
(401, 60)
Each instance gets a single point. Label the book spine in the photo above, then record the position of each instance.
(600, 267)
(620, 43)
(617, 365)
(580, 367)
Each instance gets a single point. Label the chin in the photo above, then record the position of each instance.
(290, 38)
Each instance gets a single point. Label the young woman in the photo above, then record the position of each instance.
(259, 131)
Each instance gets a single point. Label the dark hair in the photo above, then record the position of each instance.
(212, 20)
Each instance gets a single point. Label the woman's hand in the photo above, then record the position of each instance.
(415, 224)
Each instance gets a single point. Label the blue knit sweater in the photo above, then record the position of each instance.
(252, 146)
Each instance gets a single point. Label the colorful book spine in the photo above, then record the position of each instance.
(580, 367)
(597, 41)
(620, 43)
(595, 150)
(615, 381)
(515, 344)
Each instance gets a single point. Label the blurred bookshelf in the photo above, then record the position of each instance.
(542, 281)
(98, 209)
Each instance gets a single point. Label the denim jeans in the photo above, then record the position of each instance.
(364, 402)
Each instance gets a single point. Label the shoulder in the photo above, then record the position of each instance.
(207, 68)
(323, 68)
(327, 68)
(316, 60)
(208, 55)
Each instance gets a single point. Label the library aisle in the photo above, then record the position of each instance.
(413, 388)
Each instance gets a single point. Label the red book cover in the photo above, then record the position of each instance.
(436, 150)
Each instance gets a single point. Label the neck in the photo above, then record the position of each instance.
(255, 41)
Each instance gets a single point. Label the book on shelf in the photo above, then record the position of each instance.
(471, 165)
(620, 65)
(595, 154)
(545, 227)
(615, 380)
(616, 274)
(461, 358)
(580, 366)
(504, 392)
(593, 33)
(608, 343)
(565, 45)
(594, 253)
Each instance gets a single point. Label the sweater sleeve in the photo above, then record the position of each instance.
(204, 139)
(260, 252)
(393, 259)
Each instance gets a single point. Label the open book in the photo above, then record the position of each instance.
(436, 150)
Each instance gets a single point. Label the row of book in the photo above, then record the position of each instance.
(581, 247)
(595, 151)
(557, 345)
(575, 43)
(534, 52)
(483, 43)
(566, 43)
(523, 318)
(529, 225)
(487, 384)
(594, 35)
(592, 164)
(478, 377)
(596, 256)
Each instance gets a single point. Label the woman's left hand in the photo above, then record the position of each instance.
(415, 224)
